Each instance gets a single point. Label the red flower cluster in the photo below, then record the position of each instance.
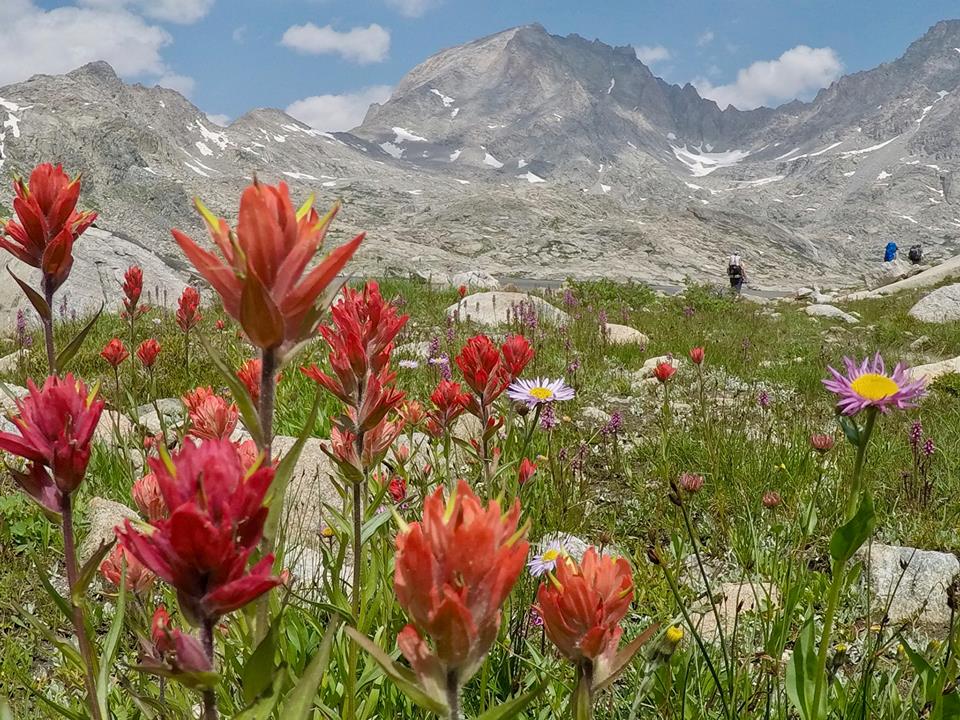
(56, 424)
(132, 290)
(664, 371)
(138, 578)
(115, 352)
(449, 403)
(174, 652)
(249, 374)
(488, 370)
(211, 417)
(697, 355)
(525, 472)
(188, 309)
(216, 520)
(260, 276)
(454, 569)
(48, 224)
(146, 494)
(582, 607)
(147, 352)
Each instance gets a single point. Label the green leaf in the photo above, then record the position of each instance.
(801, 673)
(68, 651)
(299, 703)
(925, 671)
(281, 478)
(35, 298)
(89, 569)
(403, 679)
(58, 599)
(5, 713)
(67, 354)
(255, 676)
(850, 429)
(581, 703)
(848, 538)
(59, 709)
(263, 706)
(110, 645)
(251, 418)
(512, 708)
(373, 524)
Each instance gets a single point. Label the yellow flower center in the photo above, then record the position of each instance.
(873, 386)
(551, 555)
(541, 393)
(674, 634)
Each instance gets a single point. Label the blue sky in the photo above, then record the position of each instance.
(327, 59)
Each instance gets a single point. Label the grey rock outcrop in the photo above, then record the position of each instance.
(497, 308)
(829, 311)
(940, 306)
(102, 516)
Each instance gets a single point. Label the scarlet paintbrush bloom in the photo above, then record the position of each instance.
(376, 442)
(664, 371)
(582, 607)
(221, 325)
(249, 374)
(525, 472)
(397, 489)
(132, 289)
(696, 355)
(115, 352)
(211, 417)
(147, 352)
(47, 223)
(517, 354)
(146, 494)
(216, 521)
(462, 291)
(484, 371)
(56, 424)
(261, 275)
(174, 651)
(188, 309)
(412, 413)
(138, 577)
(449, 403)
(454, 569)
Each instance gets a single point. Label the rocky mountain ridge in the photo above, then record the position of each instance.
(529, 154)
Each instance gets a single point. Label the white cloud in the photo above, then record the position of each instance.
(705, 38)
(650, 54)
(412, 8)
(184, 12)
(219, 119)
(239, 34)
(59, 40)
(769, 82)
(183, 84)
(338, 112)
(361, 45)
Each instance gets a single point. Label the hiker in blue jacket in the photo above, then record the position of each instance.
(890, 253)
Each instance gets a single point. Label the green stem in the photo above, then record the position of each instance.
(268, 369)
(79, 624)
(853, 499)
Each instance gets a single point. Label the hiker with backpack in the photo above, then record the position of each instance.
(890, 252)
(916, 254)
(736, 273)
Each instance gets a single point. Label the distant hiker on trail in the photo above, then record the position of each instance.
(916, 254)
(890, 252)
(736, 273)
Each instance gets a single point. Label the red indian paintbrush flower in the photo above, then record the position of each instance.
(115, 352)
(176, 653)
(147, 352)
(582, 606)
(261, 275)
(132, 289)
(216, 520)
(146, 494)
(525, 472)
(56, 425)
(449, 403)
(188, 309)
(211, 417)
(517, 354)
(47, 223)
(249, 374)
(696, 355)
(454, 569)
(664, 371)
(462, 291)
(484, 371)
(138, 578)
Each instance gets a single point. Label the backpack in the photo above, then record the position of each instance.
(734, 270)
(915, 254)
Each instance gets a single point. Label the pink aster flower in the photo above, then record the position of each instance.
(539, 390)
(868, 385)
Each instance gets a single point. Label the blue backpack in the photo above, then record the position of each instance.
(890, 253)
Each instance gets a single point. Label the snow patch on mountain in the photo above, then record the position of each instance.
(490, 160)
(405, 135)
(870, 149)
(445, 99)
(531, 178)
(704, 163)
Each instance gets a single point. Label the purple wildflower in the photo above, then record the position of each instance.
(569, 299)
(614, 425)
(916, 433)
(548, 417)
(763, 399)
(928, 447)
(868, 385)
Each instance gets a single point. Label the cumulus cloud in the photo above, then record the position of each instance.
(64, 38)
(705, 38)
(338, 112)
(412, 8)
(183, 84)
(797, 72)
(362, 45)
(650, 54)
(184, 12)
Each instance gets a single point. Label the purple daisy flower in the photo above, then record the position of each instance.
(539, 390)
(868, 385)
(550, 553)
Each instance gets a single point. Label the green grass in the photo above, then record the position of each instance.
(619, 495)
